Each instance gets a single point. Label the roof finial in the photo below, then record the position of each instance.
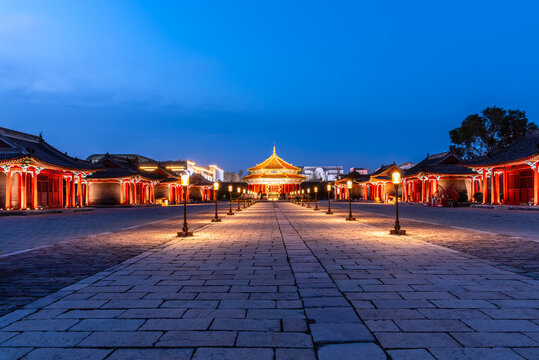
(274, 148)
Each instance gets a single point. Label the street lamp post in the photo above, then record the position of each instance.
(243, 198)
(230, 189)
(316, 198)
(216, 189)
(397, 229)
(185, 184)
(302, 197)
(308, 197)
(238, 199)
(349, 186)
(329, 212)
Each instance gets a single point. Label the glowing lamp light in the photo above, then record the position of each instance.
(329, 187)
(239, 190)
(244, 191)
(349, 184)
(396, 177)
(303, 191)
(316, 189)
(216, 186)
(308, 190)
(230, 188)
(185, 179)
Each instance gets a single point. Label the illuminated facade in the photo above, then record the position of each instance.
(274, 177)
(34, 175)
(509, 176)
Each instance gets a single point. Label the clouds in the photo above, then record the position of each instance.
(97, 59)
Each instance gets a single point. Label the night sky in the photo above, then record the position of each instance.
(355, 83)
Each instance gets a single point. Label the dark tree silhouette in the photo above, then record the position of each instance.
(492, 130)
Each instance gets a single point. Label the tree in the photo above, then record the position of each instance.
(492, 130)
(231, 176)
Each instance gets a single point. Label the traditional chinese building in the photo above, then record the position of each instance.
(377, 186)
(123, 181)
(436, 179)
(513, 173)
(35, 175)
(132, 179)
(274, 177)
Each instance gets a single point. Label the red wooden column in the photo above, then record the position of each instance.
(79, 191)
(8, 189)
(423, 190)
(68, 191)
(493, 187)
(22, 191)
(485, 186)
(34, 190)
(73, 190)
(535, 184)
(60, 191)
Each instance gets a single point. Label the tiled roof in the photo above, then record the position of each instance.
(442, 163)
(15, 145)
(274, 162)
(525, 148)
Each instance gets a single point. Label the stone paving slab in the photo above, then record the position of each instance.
(281, 282)
(35, 274)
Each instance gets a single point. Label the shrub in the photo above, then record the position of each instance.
(463, 196)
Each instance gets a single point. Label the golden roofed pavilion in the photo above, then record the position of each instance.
(274, 177)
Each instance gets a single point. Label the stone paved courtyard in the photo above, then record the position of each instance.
(279, 281)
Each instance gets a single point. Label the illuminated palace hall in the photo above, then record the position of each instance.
(274, 177)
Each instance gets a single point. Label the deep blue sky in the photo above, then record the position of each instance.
(355, 83)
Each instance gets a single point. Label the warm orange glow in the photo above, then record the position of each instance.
(216, 185)
(239, 189)
(185, 179)
(396, 177)
(316, 189)
(329, 187)
(349, 184)
(230, 188)
(308, 190)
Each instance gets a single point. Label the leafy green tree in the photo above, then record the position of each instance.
(494, 129)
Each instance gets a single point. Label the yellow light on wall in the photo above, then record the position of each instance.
(216, 185)
(349, 184)
(185, 179)
(396, 177)
(244, 191)
(329, 187)
(239, 190)
(230, 188)
(308, 190)
(303, 191)
(316, 189)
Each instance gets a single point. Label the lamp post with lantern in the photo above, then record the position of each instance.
(308, 197)
(238, 199)
(316, 198)
(302, 197)
(230, 189)
(216, 189)
(329, 212)
(185, 184)
(243, 198)
(349, 187)
(396, 177)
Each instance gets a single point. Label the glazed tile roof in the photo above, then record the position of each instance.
(274, 162)
(17, 146)
(446, 163)
(524, 149)
(116, 166)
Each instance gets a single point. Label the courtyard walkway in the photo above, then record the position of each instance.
(278, 281)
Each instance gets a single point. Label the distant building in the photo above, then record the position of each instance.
(322, 173)
(407, 165)
(360, 171)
